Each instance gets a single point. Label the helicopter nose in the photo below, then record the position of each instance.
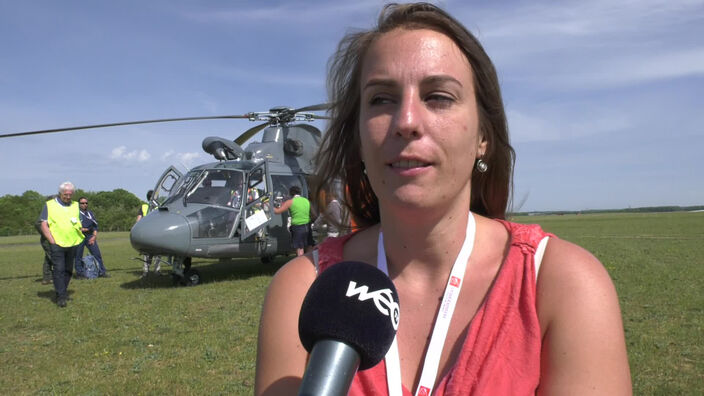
(161, 233)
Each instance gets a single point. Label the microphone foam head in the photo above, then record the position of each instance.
(355, 303)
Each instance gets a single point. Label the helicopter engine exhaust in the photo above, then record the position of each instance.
(222, 149)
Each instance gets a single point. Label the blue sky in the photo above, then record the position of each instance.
(605, 99)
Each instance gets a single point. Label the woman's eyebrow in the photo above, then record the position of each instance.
(380, 82)
(440, 78)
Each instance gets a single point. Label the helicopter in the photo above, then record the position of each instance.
(224, 209)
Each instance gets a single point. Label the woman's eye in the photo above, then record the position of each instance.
(439, 100)
(379, 100)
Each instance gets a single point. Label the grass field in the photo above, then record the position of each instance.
(126, 335)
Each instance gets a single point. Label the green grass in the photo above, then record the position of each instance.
(126, 335)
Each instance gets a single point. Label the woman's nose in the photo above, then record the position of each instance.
(408, 117)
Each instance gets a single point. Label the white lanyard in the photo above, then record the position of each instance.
(442, 324)
(88, 215)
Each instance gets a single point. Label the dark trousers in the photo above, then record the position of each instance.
(62, 258)
(94, 250)
(46, 267)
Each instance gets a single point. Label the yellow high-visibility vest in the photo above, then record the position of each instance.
(145, 209)
(64, 223)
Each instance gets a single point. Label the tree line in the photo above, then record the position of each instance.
(116, 210)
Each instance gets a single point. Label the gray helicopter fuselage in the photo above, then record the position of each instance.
(225, 209)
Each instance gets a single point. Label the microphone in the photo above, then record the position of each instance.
(348, 320)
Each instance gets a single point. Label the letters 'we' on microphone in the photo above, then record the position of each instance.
(348, 320)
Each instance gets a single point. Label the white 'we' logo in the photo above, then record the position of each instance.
(383, 299)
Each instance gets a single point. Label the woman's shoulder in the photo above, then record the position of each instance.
(566, 263)
(573, 285)
(298, 272)
(581, 323)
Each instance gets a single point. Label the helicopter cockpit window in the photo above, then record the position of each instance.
(182, 185)
(282, 185)
(220, 187)
(166, 187)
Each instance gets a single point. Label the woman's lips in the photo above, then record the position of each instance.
(408, 164)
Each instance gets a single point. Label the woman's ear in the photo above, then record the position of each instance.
(482, 147)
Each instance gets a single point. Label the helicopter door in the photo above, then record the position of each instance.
(257, 212)
(165, 187)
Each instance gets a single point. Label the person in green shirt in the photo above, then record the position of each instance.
(299, 208)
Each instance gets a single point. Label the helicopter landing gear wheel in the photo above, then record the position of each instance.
(266, 259)
(191, 278)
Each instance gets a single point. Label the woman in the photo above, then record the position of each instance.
(416, 104)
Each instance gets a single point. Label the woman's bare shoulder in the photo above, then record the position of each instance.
(280, 356)
(584, 349)
(298, 271)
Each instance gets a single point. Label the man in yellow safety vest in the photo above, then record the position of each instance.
(61, 226)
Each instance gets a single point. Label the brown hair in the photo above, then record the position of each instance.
(339, 156)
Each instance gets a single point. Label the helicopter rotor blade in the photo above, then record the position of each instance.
(75, 128)
(318, 107)
(319, 117)
(246, 135)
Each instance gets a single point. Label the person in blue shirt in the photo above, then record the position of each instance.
(89, 227)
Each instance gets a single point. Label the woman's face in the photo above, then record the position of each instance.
(419, 128)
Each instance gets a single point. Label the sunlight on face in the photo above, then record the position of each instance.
(419, 128)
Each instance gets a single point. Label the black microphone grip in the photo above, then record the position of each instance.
(330, 370)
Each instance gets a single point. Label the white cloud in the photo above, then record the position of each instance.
(118, 152)
(187, 159)
(167, 155)
(121, 153)
(596, 44)
(585, 18)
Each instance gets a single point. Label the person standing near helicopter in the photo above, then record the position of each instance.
(331, 218)
(61, 226)
(299, 207)
(144, 209)
(89, 227)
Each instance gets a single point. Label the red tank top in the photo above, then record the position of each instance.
(501, 350)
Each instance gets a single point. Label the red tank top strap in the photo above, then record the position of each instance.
(525, 236)
(330, 251)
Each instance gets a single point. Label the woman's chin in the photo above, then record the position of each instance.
(412, 198)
